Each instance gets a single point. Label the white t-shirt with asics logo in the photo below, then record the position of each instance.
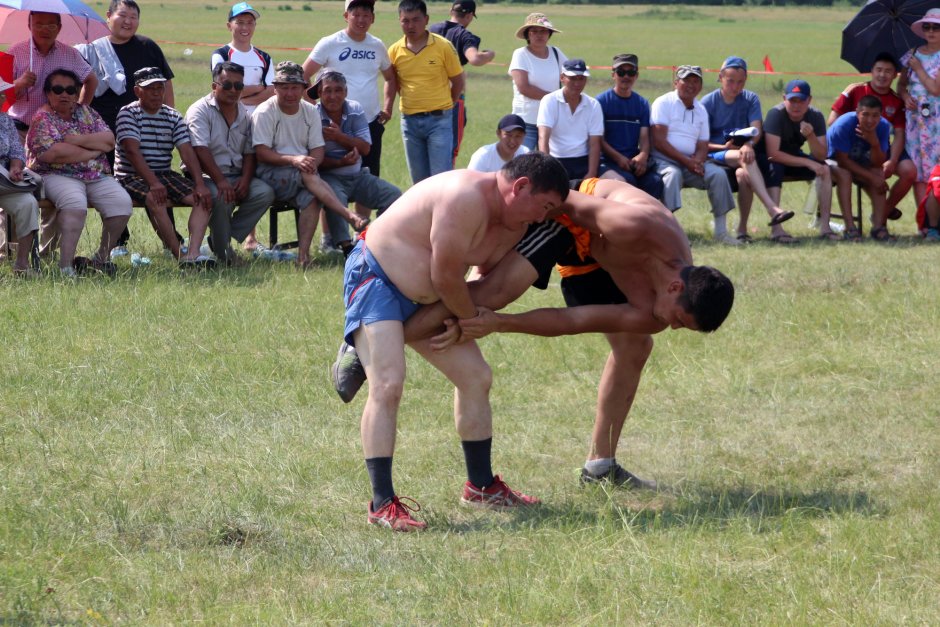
(361, 62)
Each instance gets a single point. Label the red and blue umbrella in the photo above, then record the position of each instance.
(80, 23)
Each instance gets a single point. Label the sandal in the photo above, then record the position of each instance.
(829, 236)
(881, 234)
(744, 238)
(852, 235)
(780, 218)
(786, 239)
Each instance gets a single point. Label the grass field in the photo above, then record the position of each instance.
(171, 450)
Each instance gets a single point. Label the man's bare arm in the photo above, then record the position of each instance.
(552, 322)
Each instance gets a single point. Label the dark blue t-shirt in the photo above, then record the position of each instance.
(623, 120)
(457, 35)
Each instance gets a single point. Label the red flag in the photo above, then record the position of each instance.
(768, 66)
(6, 73)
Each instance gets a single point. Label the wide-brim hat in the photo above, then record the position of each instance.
(535, 19)
(932, 16)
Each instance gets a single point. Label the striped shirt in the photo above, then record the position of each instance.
(158, 134)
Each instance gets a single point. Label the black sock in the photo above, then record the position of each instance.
(479, 462)
(380, 474)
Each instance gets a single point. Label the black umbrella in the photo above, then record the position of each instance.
(883, 26)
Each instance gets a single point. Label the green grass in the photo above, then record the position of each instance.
(171, 450)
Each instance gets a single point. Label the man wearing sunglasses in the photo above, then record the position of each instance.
(220, 128)
(625, 146)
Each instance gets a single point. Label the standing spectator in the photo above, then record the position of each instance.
(626, 143)
(67, 144)
(147, 132)
(33, 60)
(680, 147)
(467, 45)
(220, 129)
(491, 158)
(113, 59)
(361, 57)
(346, 133)
(430, 80)
(535, 69)
(919, 87)
(787, 127)
(732, 108)
(259, 71)
(288, 138)
(858, 147)
(571, 123)
(883, 72)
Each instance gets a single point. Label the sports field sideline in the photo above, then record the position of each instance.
(171, 450)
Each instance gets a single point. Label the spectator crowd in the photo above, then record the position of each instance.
(95, 126)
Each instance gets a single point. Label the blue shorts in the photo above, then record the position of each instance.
(718, 156)
(369, 295)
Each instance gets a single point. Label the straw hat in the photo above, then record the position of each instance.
(535, 19)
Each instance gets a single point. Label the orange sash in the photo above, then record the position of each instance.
(582, 237)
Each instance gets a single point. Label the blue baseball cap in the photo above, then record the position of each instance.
(242, 7)
(797, 89)
(734, 62)
(511, 122)
(575, 67)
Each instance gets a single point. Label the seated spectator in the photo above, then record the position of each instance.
(346, 133)
(511, 134)
(883, 72)
(787, 127)
(147, 132)
(19, 206)
(625, 147)
(732, 108)
(288, 140)
(68, 145)
(930, 205)
(571, 123)
(858, 146)
(220, 129)
(680, 148)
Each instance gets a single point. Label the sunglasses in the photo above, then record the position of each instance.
(929, 26)
(621, 73)
(58, 90)
(228, 85)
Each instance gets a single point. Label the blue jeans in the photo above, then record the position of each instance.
(429, 144)
(531, 140)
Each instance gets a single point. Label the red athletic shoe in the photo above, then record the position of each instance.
(396, 515)
(497, 496)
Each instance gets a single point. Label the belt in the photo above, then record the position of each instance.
(424, 114)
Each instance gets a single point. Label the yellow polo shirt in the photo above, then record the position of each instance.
(424, 78)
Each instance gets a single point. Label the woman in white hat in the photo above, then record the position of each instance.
(919, 86)
(535, 71)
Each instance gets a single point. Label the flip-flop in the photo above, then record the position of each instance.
(785, 239)
(830, 237)
(780, 218)
(744, 238)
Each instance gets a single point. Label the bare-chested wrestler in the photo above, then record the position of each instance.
(418, 253)
(635, 280)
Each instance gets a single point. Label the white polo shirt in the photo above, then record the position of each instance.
(570, 131)
(686, 126)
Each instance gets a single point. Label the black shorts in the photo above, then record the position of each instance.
(544, 245)
(596, 287)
